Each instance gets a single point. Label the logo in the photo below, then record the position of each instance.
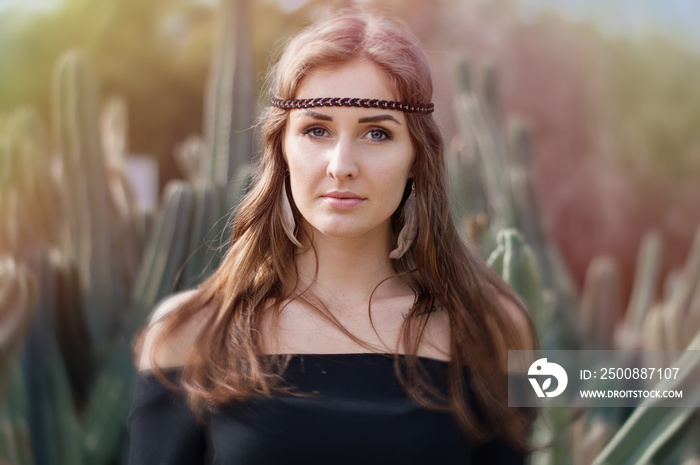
(542, 367)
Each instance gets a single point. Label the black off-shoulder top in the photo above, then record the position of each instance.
(357, 413)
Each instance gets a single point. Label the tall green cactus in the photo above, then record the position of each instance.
(91, 223)
(601, 303)
(475, 124)
(130, 217)
(52, 419)
(229, 102)
(15, 444)
(17, 295)
(683, 309)
(39, 213)
(515, 262)
(646, 281)
(29, 201)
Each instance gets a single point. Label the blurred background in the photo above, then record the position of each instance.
(573, 132)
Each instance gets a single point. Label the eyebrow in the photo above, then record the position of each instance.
(368, 119)
(379, 118)
(317, 115)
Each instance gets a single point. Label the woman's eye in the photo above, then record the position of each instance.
(315, 132)
(379, 134)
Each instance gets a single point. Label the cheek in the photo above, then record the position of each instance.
(393, 177)
(303, 171)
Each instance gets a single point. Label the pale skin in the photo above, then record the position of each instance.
(348, 168)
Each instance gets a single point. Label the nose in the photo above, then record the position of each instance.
(342, 161)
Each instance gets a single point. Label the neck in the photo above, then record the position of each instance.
(348, 270)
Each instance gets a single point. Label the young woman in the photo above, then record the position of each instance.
(348, 322)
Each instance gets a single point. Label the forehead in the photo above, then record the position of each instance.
(356, 79)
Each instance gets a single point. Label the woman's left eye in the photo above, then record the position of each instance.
(378, 134)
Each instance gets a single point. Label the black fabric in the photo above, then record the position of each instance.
(356, 412)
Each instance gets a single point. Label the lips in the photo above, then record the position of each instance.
(342, 200)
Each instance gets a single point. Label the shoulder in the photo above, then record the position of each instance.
(173, 350)
(169, 304)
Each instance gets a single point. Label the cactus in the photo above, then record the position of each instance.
(601, 303)
(229, 104)
(91, 222)
(207, 226)
(474, 125)
(165, 253)
(28, 198)
(514, 260)
(526, 215)
(105, 415)
(17, 295)
(191, 158)
(76, 346)
(589, 436)
(15, 446)
(682, 310)
(130, 218)
(52, 420)
(646, 279)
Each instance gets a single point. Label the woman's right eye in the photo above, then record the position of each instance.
(315, 131)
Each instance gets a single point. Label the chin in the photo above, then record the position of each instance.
(339, 228)
(339, 231)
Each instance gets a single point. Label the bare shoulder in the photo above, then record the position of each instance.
(173, 351)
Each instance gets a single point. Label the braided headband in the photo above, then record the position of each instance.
(287, 104)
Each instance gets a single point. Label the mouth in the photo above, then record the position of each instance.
(343, 195)
(342, 200)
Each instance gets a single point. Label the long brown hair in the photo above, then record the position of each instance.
(259, 272)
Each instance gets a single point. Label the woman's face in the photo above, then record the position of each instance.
(348, 167)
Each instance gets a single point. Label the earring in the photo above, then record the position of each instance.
(410, 225)
(288, 223)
